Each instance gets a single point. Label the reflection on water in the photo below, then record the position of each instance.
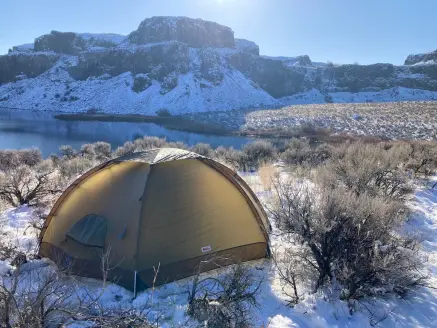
(24, 129)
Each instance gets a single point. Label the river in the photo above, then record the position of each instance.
(24, 129)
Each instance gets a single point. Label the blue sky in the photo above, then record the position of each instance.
(342, 31)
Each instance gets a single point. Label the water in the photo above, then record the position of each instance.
(25, 129)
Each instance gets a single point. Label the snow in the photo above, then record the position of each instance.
(424, 224)
(403, 75)
(281, 58)
(294, 61)
(321, 310)
(388, 95)
(4, 268)
(319, 64)
(32, 53)
(16, 225)
(134, 47)
(158, 21)
(28, 47)
(314, 96)
(428, 62)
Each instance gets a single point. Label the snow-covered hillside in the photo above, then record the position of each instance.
(190, 65)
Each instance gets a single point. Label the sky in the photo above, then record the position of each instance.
(341, 31)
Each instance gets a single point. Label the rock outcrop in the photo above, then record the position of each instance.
(422, 58)
(195, 33)
(60, 42)
(355, 78)
(159, 60)
(247, 46)
(27, 64)
(271, 75)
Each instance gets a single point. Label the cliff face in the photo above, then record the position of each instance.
(19, 65)
(190, 65)
(195, 33)
(158, 60)
(430, 57)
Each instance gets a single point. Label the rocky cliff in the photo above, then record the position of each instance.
(427, 58)
(190, 65)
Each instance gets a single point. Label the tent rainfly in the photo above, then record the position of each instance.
(165, 210)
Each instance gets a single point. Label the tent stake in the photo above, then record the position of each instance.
(135, 284)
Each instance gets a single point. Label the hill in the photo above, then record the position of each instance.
(190, 65)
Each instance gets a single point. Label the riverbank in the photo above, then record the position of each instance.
(198, 124)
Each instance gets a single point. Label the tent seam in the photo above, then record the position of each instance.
(141, 217)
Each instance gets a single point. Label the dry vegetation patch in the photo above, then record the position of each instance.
(399, 120)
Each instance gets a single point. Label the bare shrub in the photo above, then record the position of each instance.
(149, 143)
(257, 153)
(69, 169)
(300, 152)
(220, 152)
(37, 221)
(308, 128)
(226, 300)
(102, 151)
(352, 238)
(67, 151)
(8, 251)
(40, 296)
(44, 298)
(203, 149)
(232, 157)
(422, 157)
(294, 269)
(28, 185)
(87, 151)
(127, 148)
(10, 159)
(366, 168)
(31, 298)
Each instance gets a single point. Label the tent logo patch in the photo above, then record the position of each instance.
(206, 249)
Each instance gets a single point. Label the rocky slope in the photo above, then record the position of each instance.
(190, 65)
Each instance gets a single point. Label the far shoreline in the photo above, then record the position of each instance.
(169, 122)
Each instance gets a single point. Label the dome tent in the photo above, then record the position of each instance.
(166, 208)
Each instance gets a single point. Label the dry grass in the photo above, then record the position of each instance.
(400, 120)
(268, 174)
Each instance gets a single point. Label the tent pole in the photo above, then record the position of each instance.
(135, 284)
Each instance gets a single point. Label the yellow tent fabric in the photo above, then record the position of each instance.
(165, 208)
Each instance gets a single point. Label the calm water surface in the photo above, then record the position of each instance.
(24, 129)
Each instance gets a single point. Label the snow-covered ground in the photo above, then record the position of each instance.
(316, 310)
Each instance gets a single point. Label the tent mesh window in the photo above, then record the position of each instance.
(89, 231)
